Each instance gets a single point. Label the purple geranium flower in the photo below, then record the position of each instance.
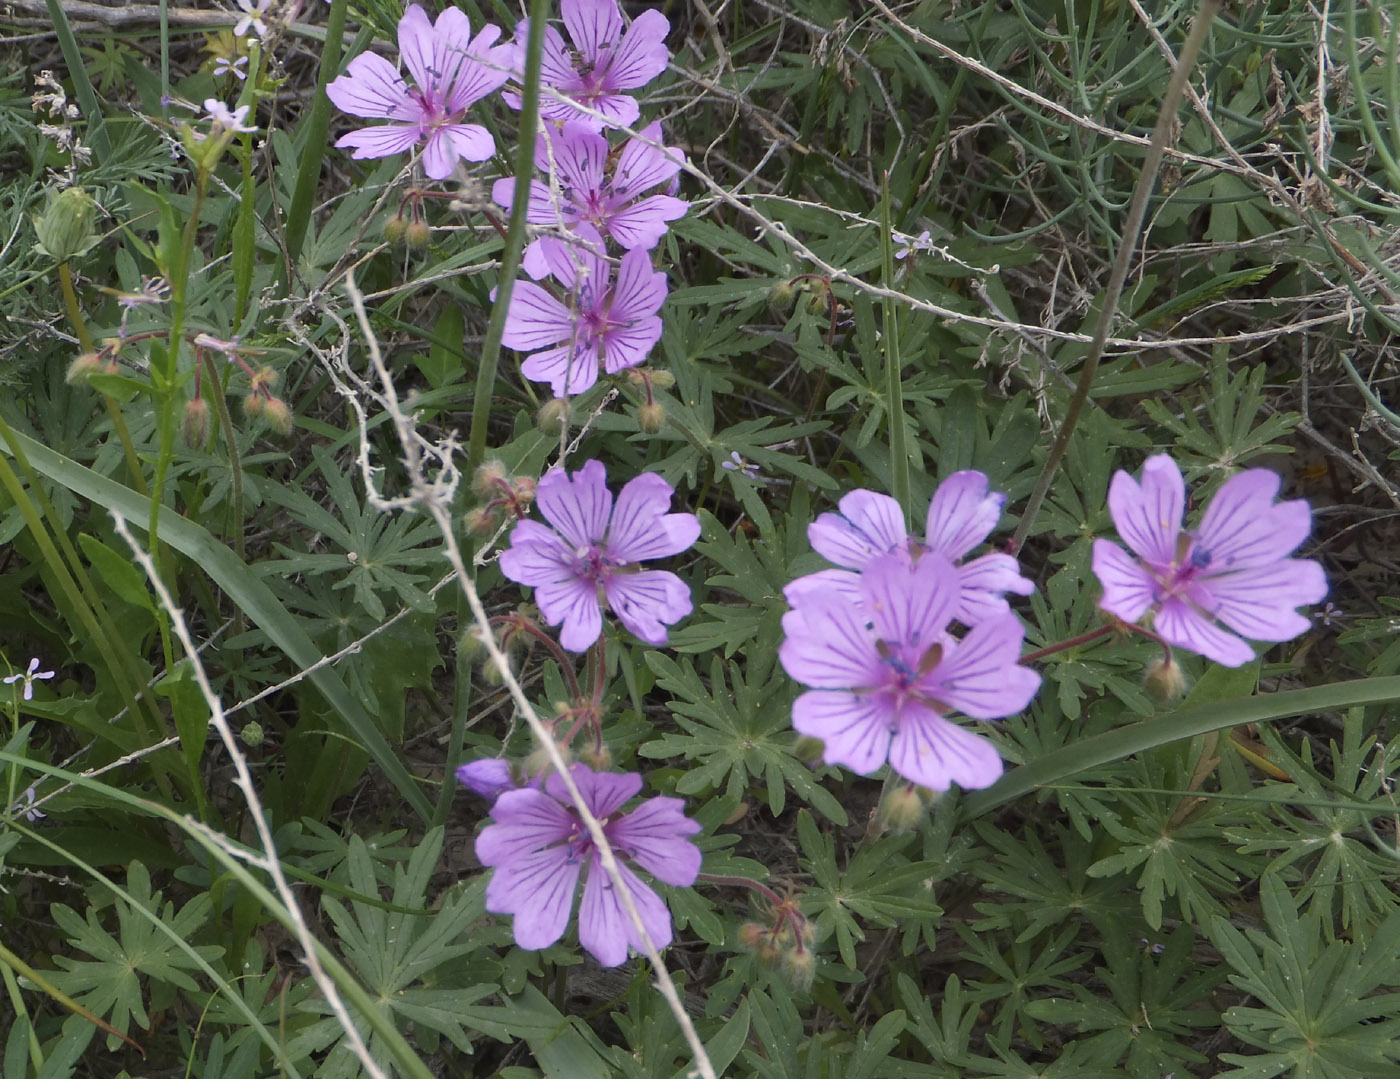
(593, 547)
(487, 777)
(962, 514)
(885, 672)
(604, 61)
(450, 71)
(607, 323)
(586, 196)
(538, 847)
(1231, 573)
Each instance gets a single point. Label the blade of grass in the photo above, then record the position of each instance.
(244, 588)
(1088, 753)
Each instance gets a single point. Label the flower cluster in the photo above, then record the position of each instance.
(1209, 589)
(592, 548)
(539, 847)
(874, 640)
(597, 311)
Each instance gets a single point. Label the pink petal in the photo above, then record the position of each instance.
(855, 727)
(829, 646)
(371, 86)
(537, 555)
(869, 525)
(536, 319)
(605, 930)
(580, 157)
(642, 529)
(642, 224)
(642, 55)
(569, 370)
(981, 675)
(936, 753)
(654, 836)
(439, 156)
(418, 46)
(538, 888)
(578, 506)
(640, 291)
(574, 603)
(483, 69)
(1179, 624)
(1128, 589)
(380, 141)
(629, 346)
(983, 581)
(470, 142)
(962, 514)
(646, 603)
(1259, 603)
(1243, 529)
(603, 792)
(644, 163)
(828, 582)
(908, 605)
(594, 26)
(1148, 517)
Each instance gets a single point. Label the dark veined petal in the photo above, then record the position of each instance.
(656, 835)
(1179, 624)
(936, 753)
(1148, 516)
(641, 528)
(1260, 603)
(578, 505)
(537, 555)
(1242, 528)
(569, 369)
(910, 605)
(594, 26)
(574, 603)
(372, 87)
(605, 930)
(869, 525)
(984, 579)
(644, 163)
(604, 793)
(962, 514)
(855, 727)
(537, 887)
(830, 646)
(642, 224)
(470, 142)
(1128, 589)
(642, 54)
(536, 319)
(380, 141)
(823, 583)
(647, 602)
(981, 675)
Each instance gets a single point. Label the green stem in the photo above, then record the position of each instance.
(894, 382)
(314, 148)
(515, 235)
(75, 316)
(1132, 226)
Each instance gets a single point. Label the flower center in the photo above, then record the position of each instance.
(593, 564)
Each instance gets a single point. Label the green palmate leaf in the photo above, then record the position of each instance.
(1322, 1012)
(736, 733)
(875, 887)
(244, 588)
(110, 983)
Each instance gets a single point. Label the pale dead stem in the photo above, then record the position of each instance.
(268, 861)
(427, 496)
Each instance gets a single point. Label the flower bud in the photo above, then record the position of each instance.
(470, 644)
(65, 228)
(901, 810)
(1165, 681)
(599, 758)
(254, 405)
(522, 489)
(800, 967)
(394, 228)
(553, 415)
(488, 477)
(416, 234)
(538, 761)
(651, 417)
(809, 750)
(196, 422)
(480, 521)
(87, 363)
(278, 415)
(781, 298)
(663, 380)
(251, 734)
(751, 935)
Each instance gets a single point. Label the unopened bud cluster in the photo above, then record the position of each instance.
(783, 942)
(506, 496)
